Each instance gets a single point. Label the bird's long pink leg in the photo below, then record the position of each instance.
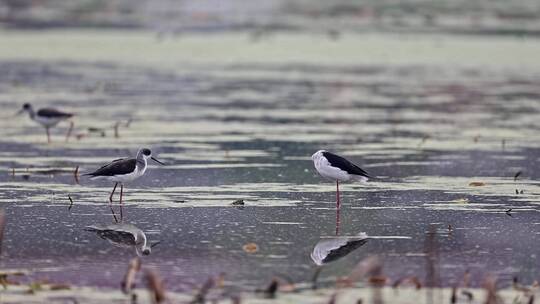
(338, 220)
(110, 203)
(69, 131)
(48, 135)
(121, 194)
(337, 194)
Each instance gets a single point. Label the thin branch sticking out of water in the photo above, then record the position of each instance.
(490, 285)
(431, 249)
(270, 291)
(70, 202)
(129, 278)
(517, 175)
(155, 286)
(371, 265)
(200, 297)
(76, 175)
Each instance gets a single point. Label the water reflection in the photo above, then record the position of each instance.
(125, 236)
(328, 250)
(338, 220)
(332, 249)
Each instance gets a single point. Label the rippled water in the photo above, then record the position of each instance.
(246, 131)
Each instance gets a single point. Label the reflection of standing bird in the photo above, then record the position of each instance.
(335, 167)
(48, 118)
(124, 170)
(123, 235)
(332, 249)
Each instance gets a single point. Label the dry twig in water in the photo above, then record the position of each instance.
(332, 299)
(371, 266)
(70, 202)
(431, 249)
(468, 294)
(155, 286)
(490, 285)
(76, 174)
(453, 297)
(116, 127)
(466, 279)
(270, 291)
(517, 286)
(200, 297)
(129, 278)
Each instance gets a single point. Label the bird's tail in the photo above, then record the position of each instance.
(91, 175)
(377, 178)
(91, 228)
(362, 178)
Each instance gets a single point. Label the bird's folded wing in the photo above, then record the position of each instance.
(343, 164)
(116, 167)
(53, 113)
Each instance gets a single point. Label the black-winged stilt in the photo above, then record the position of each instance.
(48, 118)
(124, 235)
(337, 168)
(123, 170)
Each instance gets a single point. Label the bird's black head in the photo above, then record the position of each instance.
(146, 251)
(26, 108)
(146, 152)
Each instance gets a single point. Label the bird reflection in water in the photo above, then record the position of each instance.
(338, 221)
(125, 236)
(331, 249)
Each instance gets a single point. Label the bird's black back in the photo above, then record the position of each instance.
(53, 113)
(116, 167)
(345, 165)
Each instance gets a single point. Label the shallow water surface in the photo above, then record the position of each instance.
(232, 132)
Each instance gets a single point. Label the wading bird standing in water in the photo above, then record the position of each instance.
(123, 170)
(337, 168)
(48, 118)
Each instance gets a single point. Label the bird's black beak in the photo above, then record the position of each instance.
(19, 112)
(157, 161)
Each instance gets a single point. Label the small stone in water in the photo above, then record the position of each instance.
(239, 202)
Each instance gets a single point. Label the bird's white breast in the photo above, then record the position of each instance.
(138, 172)
(326, 170)
(47, 121)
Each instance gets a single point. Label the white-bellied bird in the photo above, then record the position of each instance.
(48, 118)
(337, 168)
(123, 170)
